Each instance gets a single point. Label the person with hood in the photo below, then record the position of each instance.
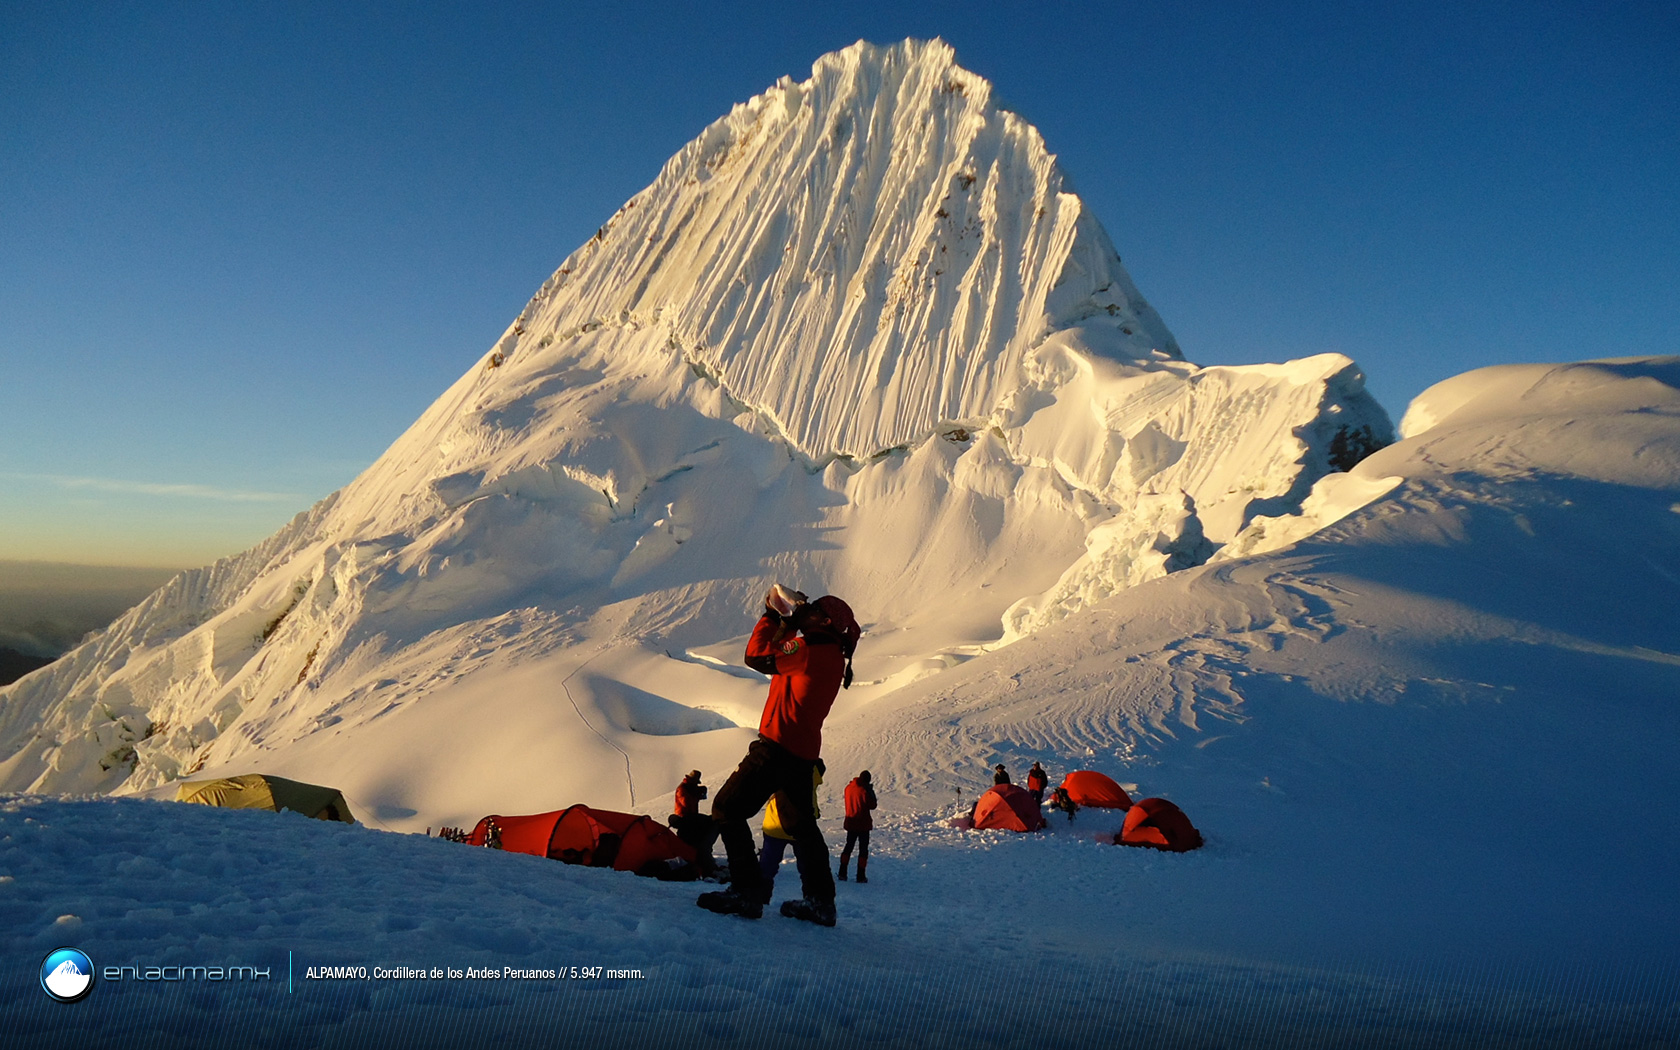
(1000, 775)
(806, 648)
(860, 799)
(776, 837)
(692, 826)
(1037, 781)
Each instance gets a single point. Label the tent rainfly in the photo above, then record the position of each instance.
(597, 838)
(1009, 807)
(1087, 787)
(1158, 824)
(261, 791)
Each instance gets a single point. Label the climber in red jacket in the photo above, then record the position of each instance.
(860, 799)
(806, 647)
(1037, 781)
(693, 826)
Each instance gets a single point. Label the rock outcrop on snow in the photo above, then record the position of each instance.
(859, 335)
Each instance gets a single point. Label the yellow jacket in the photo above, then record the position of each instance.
(773, 817)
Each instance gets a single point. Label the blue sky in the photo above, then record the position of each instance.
(243, 246)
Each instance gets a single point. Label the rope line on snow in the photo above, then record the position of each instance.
(629, 780)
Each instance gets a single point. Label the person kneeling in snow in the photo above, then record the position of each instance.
(692, 826)
(806, 648)
(1060, 799)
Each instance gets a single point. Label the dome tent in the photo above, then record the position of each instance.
(1158, 824)
(531, 833)
(1091, 789)
(596, 838)
(261, 791)
(1009, 807)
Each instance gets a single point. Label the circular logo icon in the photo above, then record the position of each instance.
(67, 974)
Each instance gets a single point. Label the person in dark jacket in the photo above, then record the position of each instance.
(1000, 775)
(692, 826)
(806, 647)
(1060, 799)
(860, 799)
(1037, 781)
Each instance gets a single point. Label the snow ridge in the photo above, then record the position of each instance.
(84, 714)
(860, 256)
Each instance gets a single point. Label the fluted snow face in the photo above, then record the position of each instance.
(860, 256)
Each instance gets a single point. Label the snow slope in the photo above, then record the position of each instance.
(1431, 747)
(858, 336)
(923, 955)
(1442, 724)
(1422, 709)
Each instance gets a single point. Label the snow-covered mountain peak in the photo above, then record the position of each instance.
(858, 337)
(860, 256)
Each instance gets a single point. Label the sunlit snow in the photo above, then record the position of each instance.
(860, 337)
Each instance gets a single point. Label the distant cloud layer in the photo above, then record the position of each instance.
(47, 608)
(148, 488)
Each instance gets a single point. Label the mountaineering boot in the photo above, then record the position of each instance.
(729, 902)
(862, 878)
(842, 876)
(819, 912)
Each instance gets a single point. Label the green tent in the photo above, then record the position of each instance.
(261, 791)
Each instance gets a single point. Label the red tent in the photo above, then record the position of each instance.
(646, 841)
(1009, 807)
(595, 837)
(1159, 824)
(527, 834)
(1090, 788)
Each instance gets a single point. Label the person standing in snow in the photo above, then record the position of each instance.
(1037, 781)
(860, 799)
(1000, 775)
(692, 826)
(776, 837)
(806, 647)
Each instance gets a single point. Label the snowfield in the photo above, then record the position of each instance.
(1431, 748)
(961, 939)
(1417, 694)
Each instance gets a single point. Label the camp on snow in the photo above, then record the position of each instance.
(261, 791)
(1158, 824)
(1009, 807)
(596, 838)
(1089, 788)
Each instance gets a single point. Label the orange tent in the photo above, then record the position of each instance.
(527, 834)
(1090, 788)
(1009, 807)
(595, 837)
(1159, 824)
(646, 841)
